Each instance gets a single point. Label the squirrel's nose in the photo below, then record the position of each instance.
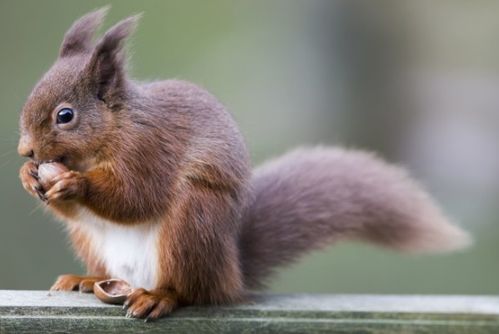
(25, 148)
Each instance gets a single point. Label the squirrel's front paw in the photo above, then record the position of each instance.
(66, 186)
(30, 180)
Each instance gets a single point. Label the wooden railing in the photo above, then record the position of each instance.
(43, 312)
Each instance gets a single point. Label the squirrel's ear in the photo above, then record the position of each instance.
(107, 63)
(79, 37)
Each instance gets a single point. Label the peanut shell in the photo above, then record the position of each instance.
(48, 171)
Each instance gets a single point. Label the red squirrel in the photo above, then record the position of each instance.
(159, 192)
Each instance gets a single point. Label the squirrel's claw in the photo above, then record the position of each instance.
(29, 179)
(34, 175)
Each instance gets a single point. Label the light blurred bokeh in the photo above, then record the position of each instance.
(417, 81)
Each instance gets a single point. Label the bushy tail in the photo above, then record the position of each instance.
(309, 198)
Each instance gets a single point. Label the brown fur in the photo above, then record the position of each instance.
(168, 152)
(83, 247)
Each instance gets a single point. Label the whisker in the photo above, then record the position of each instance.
(37, 207)
(5, 163)
(6, 153)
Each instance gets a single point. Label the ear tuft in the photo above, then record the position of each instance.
(79, 37)
(107, 64)
(114, 38)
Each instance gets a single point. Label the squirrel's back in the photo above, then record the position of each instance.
(212, 139)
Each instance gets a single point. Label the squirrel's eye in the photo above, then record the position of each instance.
(65, 115)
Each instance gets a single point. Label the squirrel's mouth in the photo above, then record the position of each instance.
(61, 159)
(72, 163)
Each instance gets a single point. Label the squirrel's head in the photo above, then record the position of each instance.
(71, 111)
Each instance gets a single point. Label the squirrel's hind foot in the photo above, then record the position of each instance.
(75, 283)
(150, 305)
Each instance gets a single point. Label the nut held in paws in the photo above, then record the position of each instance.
(48, 171)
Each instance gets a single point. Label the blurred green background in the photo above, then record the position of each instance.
(416, 81)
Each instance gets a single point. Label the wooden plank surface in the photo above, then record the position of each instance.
(42, 312)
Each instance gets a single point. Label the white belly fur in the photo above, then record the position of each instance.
(127, 252)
